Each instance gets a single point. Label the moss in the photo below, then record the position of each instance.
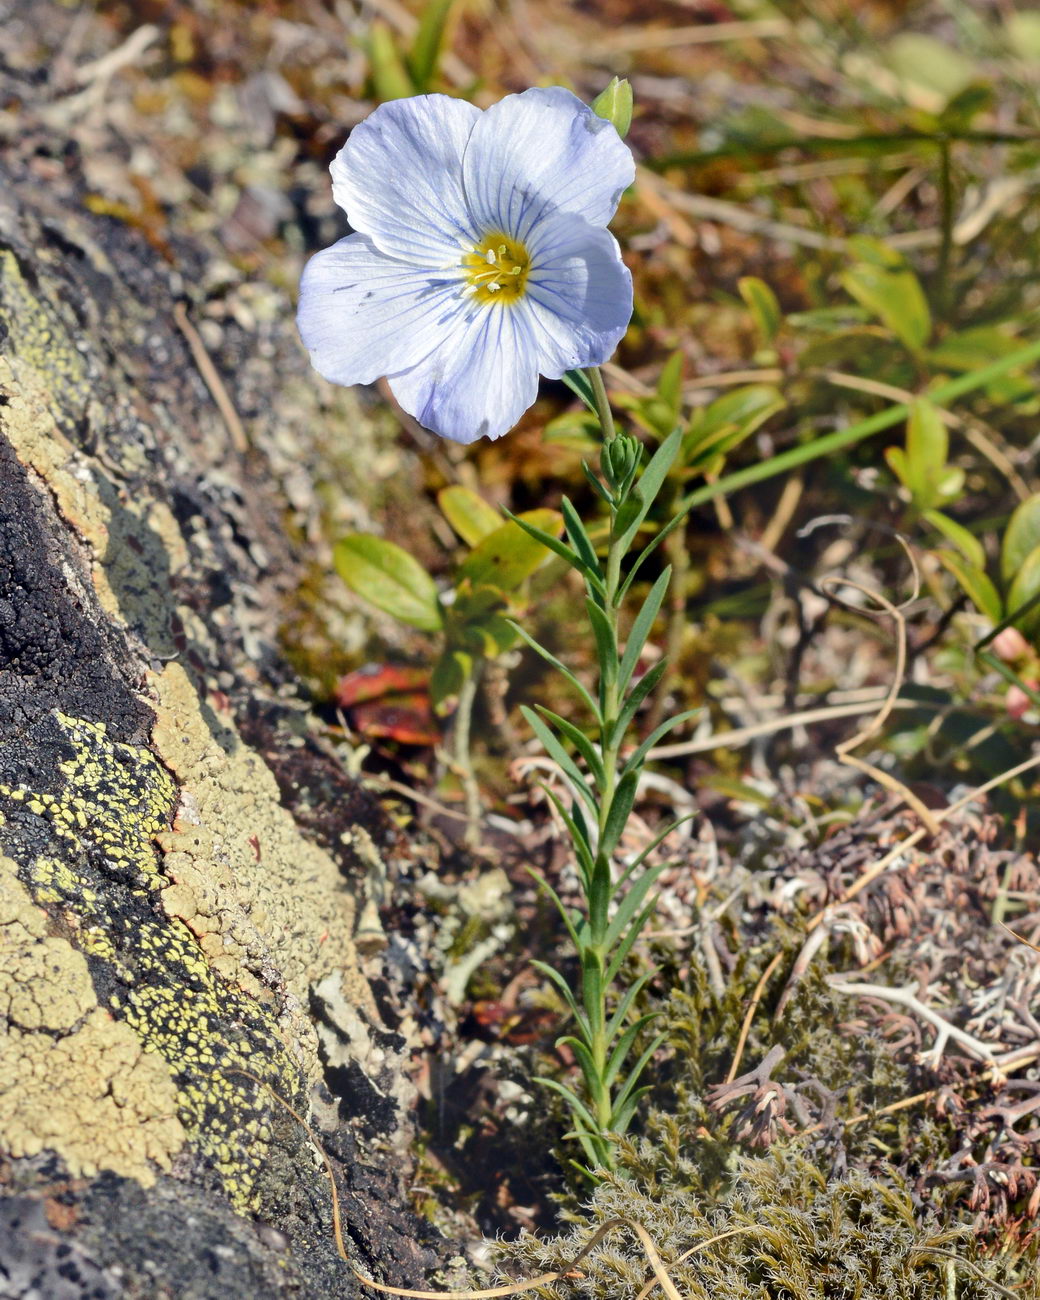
(796, 1235)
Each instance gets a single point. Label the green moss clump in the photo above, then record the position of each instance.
(795, 1235)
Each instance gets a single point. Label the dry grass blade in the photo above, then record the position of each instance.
(749, 1015)
(695, 1250)
(844, 750)
(214, 383)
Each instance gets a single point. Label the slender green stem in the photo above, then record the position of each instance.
(599, 396)
(462, 754)
(946, 195)
(941, 395)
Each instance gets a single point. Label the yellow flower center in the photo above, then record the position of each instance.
(496, 269)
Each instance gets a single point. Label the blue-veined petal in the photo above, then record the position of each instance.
(362, 314)
(579, 293)
(480, 380)
(543, 148)
(399, 178)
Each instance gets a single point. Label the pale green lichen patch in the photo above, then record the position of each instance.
(72, 1079)
(94, 1096)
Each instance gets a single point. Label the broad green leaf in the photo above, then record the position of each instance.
(933, 65)
(449, 672)
(884, 283)
(967, 543)
(509, 555)
(1024, 588)
(470, 515)
(669, 386)
(975, 584)
(1023, 34)
(1021, 537)
(927, 442)
(717, 428)
(762, 303)
(391, 579)
(429, 39)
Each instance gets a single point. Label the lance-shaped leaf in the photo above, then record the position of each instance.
(391, 579)
(645, 491)
(641, 626)
(560, 756)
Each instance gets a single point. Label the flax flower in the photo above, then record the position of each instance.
(481, 257)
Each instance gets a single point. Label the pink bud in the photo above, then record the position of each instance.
(1017, 702)
(1009, 644)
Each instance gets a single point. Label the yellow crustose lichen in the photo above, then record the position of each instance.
(117, 799)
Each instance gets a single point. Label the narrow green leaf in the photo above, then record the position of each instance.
(974, 583)
(592, 1077)
(634, 1075)
(637, 695)
(577, 1106)
(762, 303)
(469, 514)
(620, 808)
(636, 760)
(429, 39)
(580, 384)
(567, 994)
(641, 627)
(967, 543)
(560, 756)
(579, 740)
(389, 77)
(391, 579)
(621, 1011)
(623, 1114)
(559, 548)
(659, 838)
(593, 993)
(649, 484)
(550, 658)
(564, 914)
(617, 960)
(578, 832)
(619, 1055)
(577, 534)
(595, 484)
(606, 646)
(632, 901)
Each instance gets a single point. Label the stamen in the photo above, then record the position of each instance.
(496, 269)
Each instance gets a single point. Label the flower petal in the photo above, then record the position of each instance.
(362, 314)
(579, 293)
(538, 149)
(399, 178)
(480, 380)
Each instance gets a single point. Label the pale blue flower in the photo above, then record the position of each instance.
(481, 257)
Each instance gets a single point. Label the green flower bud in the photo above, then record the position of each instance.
(615, 104)
(619, 460)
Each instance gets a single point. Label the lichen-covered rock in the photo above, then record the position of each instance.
(164, 917)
